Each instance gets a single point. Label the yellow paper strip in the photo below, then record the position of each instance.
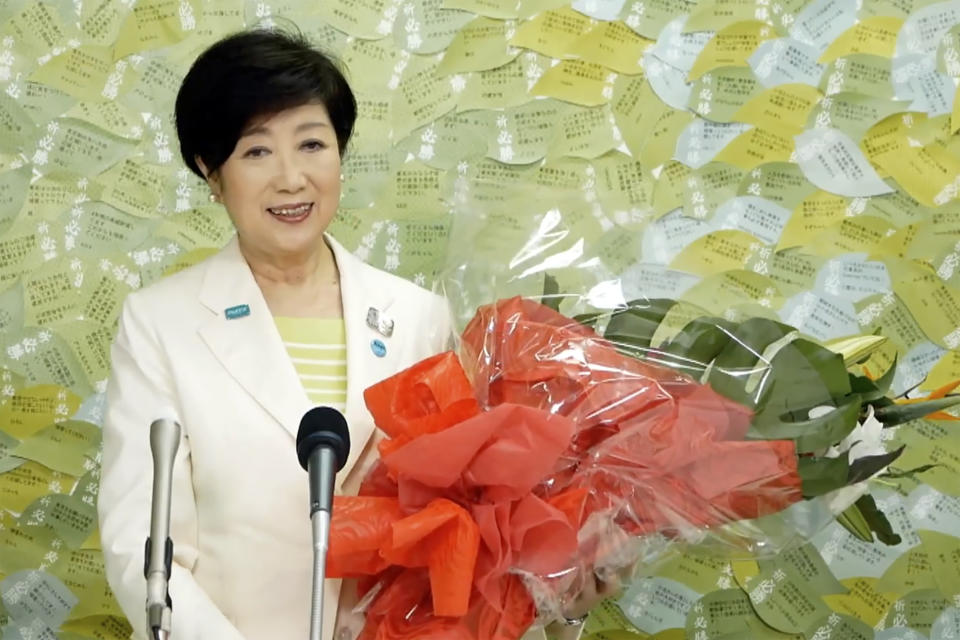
(876, 36)
(552, 33)
(578, 82)
(732, 46)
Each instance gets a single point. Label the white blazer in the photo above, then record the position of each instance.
(240, 513)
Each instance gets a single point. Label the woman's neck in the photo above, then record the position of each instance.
(298, 286)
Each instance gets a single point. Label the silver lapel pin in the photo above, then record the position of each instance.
(379, 322)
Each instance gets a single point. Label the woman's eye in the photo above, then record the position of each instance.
(314, 145)
(256, 152)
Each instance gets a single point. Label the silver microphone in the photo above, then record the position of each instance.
(158, 556)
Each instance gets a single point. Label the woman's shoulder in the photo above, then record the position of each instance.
(406, 294)
(173, 293)
(179, 284)
(400, 287)
(407, 303)
(417, 307)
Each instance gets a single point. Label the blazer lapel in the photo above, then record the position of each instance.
(360, 291)
(247, 343)
(252, 352)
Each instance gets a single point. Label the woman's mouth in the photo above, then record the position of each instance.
(291, 212)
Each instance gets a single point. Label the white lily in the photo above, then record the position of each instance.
(866, 439)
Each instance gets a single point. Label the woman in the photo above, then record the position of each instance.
(240, 346)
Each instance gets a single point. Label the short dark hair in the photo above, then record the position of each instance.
(252, 74)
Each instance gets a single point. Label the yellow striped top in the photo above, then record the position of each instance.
(318, 350)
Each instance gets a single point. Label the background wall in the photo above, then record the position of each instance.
(790, 158)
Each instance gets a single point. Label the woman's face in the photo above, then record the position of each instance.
(281, 184)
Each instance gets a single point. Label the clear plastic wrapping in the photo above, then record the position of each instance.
(554, 449)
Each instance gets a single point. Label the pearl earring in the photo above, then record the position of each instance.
(213, 197)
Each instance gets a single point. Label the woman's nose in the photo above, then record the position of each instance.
(290, 175)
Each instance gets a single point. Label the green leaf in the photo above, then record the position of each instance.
(804, 375)
(883, 382)
(811, 434)
(880, 402)
(820, 476)
(551, 293)
(864, 387)
(877, 520)
(873, 390)
(909, 473)
(894, 414)
(702, 339)
(632, 328)
(590, 319)
(740, 357)
(867, 466)
(695, 347)
(852, 520)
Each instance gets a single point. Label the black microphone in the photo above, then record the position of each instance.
(323, 445)
(158, 556)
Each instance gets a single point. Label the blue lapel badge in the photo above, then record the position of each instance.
(238, 311)
(379, 349)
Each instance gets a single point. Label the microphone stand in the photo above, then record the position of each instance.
(159, 613)
(158, 556)
(320, 522)
(322, 458)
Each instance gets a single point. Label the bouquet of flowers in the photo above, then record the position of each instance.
(552, 446)
(578, 431)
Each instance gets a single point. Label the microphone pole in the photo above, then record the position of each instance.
(158, 556)
(322, 458)
(323, 445)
